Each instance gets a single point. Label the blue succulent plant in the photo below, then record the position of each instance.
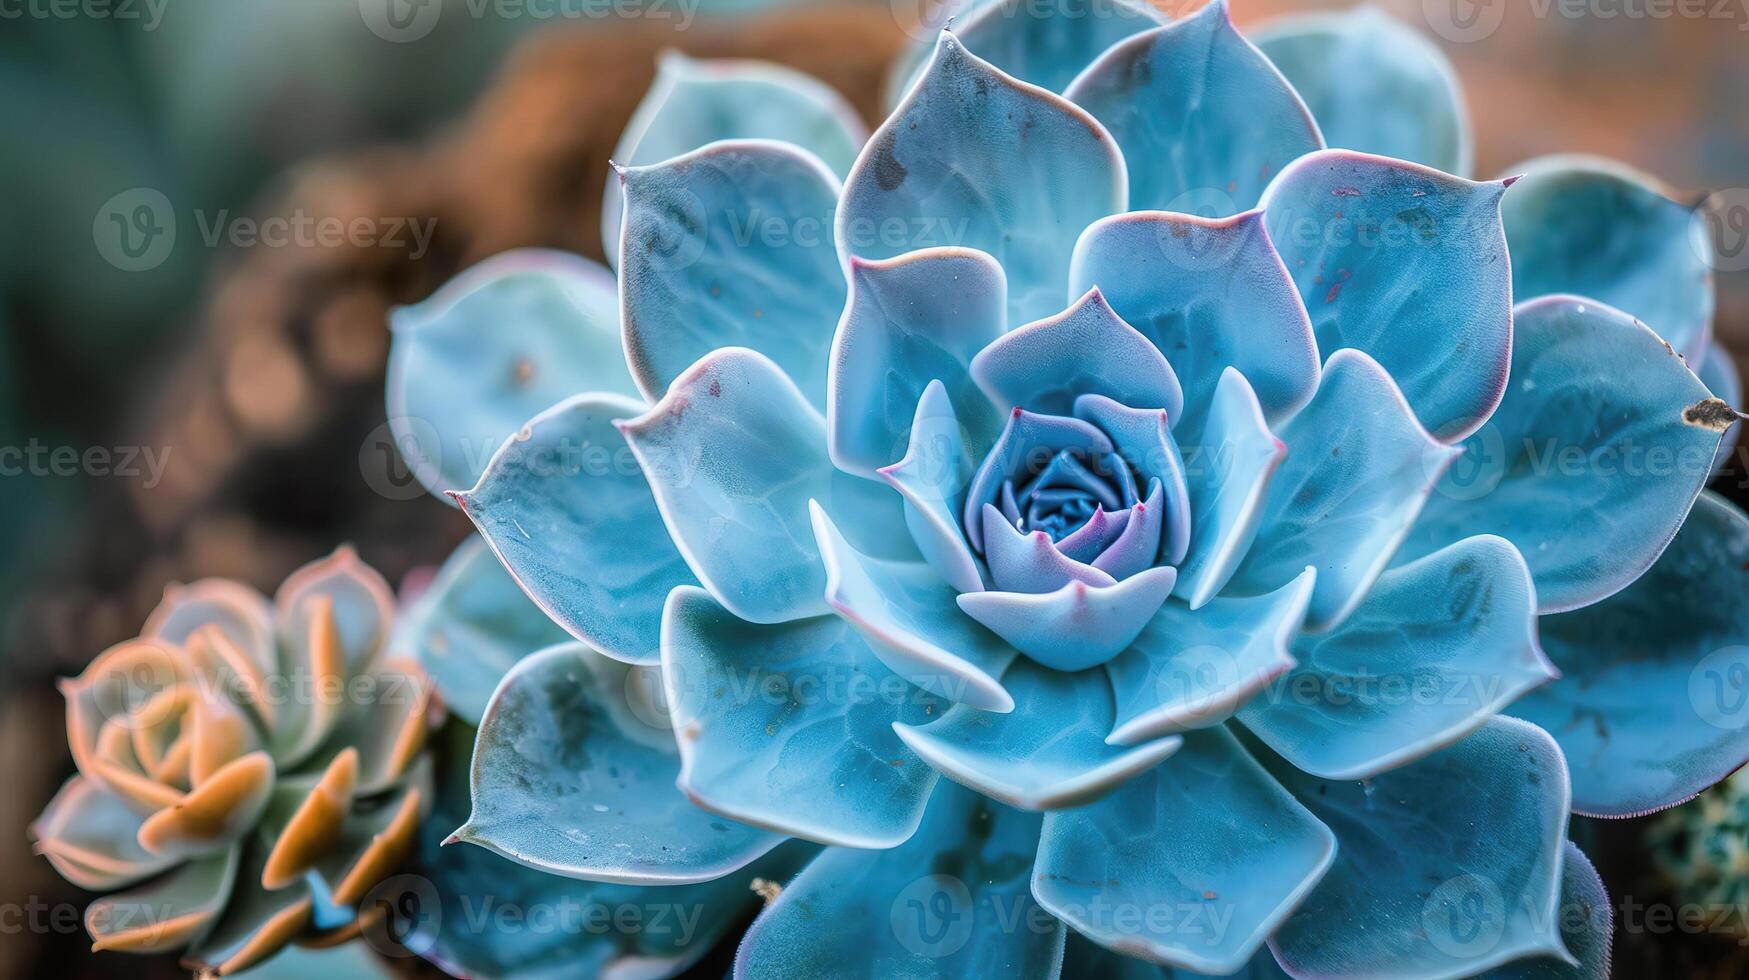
(1133, 446)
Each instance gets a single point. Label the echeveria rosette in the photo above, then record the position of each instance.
(1125, 521)
(248, 770)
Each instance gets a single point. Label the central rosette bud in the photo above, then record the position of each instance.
(1057, 502)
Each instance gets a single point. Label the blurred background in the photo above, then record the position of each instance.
(197, 387)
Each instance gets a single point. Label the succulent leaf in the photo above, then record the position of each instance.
(975, 158)
(911, 321)
(92, 838)
(1593, 459)
(1592, 227)
(730, 246)
(789, 726)
(1388, 254)
(1652, 711)
(932, 478)
(1437, 901)
(442, 922)
(1191, 669)
(954, 897)
(1210, 294)
(1209, 829)
(1078, 625)
(1358, 469)
(1048, 753)
(502, 341)
(908, 617)
(1203, 117)
(696, 102)
(1229, 463)
(1373, 84)
(1586, 922)
(571, 778)
(1032, 41)
(567, 509)
(1084, 350)
(1437, 647)
(471, 625)
(734, 453)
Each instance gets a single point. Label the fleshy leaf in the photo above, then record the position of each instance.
(1077, 626)
(1028, 563)
(438, 904)
(1441, 897)
(167, 912)
(361, 604)
(255, 924)
(500, 342)
(1084, 350)
(1719, 373)
(911, 320)
(932, 477)
(692, 103)
(1192, 669)
(90, 835)
(907, 615)
(1436, 648)
(1373, 84)
(1201, 114)
(471, 626)
(573, 774)
(789, 727)
(1358, 469)
(1587, 926)
(1593, 459)
(1211, 294)
(1144, 440)
(243, 614)
(1208, 830)
(1655, 704)
(730, 246)
(950, 902)
(1592, 227)
(1049, 753)
(1026, 440)
(734, 453)
(1388, 254)
(973, 157)
(1228, 466)
(1045, 44)
(566, 509)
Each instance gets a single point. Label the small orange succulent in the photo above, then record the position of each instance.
(253, 767)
